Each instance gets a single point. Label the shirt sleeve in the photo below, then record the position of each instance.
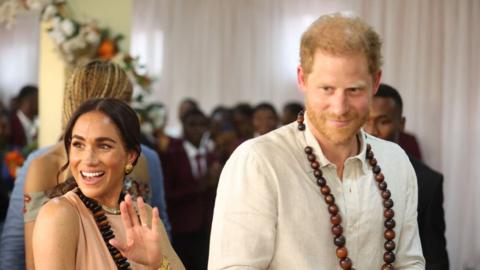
(244, 223)
(12, 247)
(409, 254)
(156, 185)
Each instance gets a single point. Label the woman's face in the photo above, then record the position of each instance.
(98, 157)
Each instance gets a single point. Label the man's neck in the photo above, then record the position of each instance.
(337, 153)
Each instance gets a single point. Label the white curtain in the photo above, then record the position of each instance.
(19, 47)
(227, 51)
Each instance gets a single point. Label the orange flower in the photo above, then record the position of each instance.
(107, 49)
(13, 159)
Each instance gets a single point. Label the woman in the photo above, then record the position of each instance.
(82, 229)
(97, 79)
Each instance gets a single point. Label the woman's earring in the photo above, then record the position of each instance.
(128, 168)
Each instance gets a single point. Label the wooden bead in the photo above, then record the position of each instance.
(333, 209)
(369, 154)
(389, 223)
(325, 190)
(388, 203)
(329, 199)
(382, 185)
(346, 264)
(315, 165)
(389, 245)
(376, 169)
(389, 234)
(387, 267)
(389, 257)
(321, 182)
(386, 194)
(335, 219)
(379, 177)
(339, 241)
(337, 230)
(301, 127)
(311, 157)
(389, 213)
(342, 252)
(317, 173)
(308, 150)
(373, 161)
(369, 147)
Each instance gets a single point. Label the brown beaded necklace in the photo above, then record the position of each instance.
(105, 229)
(335, 217)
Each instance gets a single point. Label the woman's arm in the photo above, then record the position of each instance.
(55, 236)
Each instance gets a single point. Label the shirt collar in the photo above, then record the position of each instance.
(324, 162)
(192, 151)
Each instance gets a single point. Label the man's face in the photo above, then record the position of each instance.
(264, 121)
(194, 127)
(385, 120)
(338, 93)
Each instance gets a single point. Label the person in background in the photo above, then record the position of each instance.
(320, 193)
(191, 174)
(243, 121)
(23, 124)
(93, 80)
(290, 112)
(92, 223)
(386, 121)
(265, 118)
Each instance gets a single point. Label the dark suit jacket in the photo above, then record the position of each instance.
(431, 221)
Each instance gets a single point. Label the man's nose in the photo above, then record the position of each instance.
(340, 103)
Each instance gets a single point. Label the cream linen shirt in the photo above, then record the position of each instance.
(270, 214)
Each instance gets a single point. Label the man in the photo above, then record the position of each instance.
(305, 196)
(22, 121)
(190, 183)
(386, 122)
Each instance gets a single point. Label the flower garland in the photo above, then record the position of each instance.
(77, 41)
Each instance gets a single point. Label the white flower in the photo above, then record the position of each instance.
(57, 35)
(68, 27)
(37, 4)
(8, 12)
(49, 12)
(90, 33)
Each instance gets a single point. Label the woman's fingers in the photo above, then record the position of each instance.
(155, 219)
(122, 247)
(131, 211)
(125, 216)
(143, 211)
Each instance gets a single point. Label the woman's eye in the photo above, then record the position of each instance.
(77, 145)
(105, 146)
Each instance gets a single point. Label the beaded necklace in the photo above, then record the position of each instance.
(335, 217)
(105, 229)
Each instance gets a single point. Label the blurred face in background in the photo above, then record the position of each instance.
(385, 120)
(194, 127)
(264, 121)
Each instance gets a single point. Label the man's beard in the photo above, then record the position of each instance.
(337, 135)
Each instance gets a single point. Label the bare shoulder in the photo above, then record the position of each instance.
(42, 171)
(59, 211)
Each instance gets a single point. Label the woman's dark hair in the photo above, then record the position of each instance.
(124, 118)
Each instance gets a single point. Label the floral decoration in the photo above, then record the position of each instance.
(77, 41)
(13, 160)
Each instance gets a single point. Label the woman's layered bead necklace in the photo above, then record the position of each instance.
(105, 229)
(335, 217)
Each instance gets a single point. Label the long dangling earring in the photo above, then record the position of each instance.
(128, 168)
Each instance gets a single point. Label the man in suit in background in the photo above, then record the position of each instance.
(386, 121)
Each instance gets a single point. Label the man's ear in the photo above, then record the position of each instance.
(402, 123)
(376, 82)
(301, 78)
